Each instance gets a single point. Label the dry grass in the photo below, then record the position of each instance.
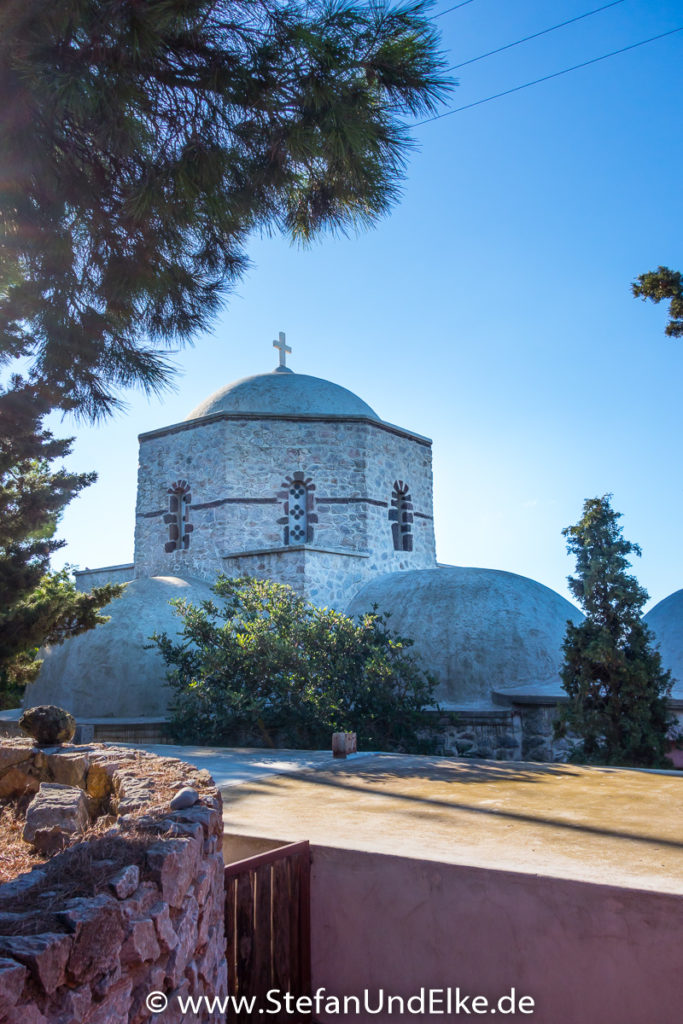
(16, 856)
(82, 870)
(93, 857)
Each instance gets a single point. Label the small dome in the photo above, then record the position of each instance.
(666, 622)
(106, 672)
(284, 393)
(476, 630)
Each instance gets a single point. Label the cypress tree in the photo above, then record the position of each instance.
(612, 672)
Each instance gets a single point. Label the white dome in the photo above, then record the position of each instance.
(476, 630)
(106, 672)
(666, 622)
(284, 393)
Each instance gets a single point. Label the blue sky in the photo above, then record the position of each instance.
(491, 310)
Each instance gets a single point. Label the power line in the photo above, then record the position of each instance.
(546, 78)
(535, 35)
(456, 8)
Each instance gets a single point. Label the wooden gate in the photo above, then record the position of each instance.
(268, 928)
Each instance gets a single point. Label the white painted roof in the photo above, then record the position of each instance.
(477, 630)
(284, 393)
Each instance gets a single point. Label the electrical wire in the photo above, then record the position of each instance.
(546, 78)
(535, 35)
(456, 8)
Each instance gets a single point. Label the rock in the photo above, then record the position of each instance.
(21, 885)
(15, 782)
(25, 1013)
(141, 943)
(186, 797)
(56, 806)
(97, 935)
(72, 1005)
(172, 864)
(48, 725)
(68, 768)
(125, 882)
(132, 791)
(12, 978)
(50, 840)
(45, 956)
(162, 919)
(114, 1006)
(14, 753)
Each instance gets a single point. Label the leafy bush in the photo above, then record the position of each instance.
(261, 666)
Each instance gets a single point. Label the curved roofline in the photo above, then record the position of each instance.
(214, 417)
(284, 390)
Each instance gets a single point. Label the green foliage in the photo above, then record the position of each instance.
(265, 667)
(659, 285)
(36, 607)
(612, 673)
(141, 143)
(50, 613)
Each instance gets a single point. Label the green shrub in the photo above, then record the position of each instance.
(261, 666)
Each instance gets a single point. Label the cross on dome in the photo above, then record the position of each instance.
(283, 349)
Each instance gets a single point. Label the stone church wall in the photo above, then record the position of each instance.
(86, 579)
(236, 473)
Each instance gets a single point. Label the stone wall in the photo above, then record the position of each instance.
(485, 734)
(236, 469)
(156, 921)
(86, 579)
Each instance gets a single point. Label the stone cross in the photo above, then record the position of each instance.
(282, 348)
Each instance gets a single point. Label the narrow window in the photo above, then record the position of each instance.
(299, 517)
(401, 517)
(178, 516)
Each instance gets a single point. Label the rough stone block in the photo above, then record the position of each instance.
(125, 882)
(103, 983)
(165, 931)
(45, 956)
(172, 864)
(199, 815)
(15, 752)
(138, 905)
(141, 943)
(21, 885)
(68, 768)
(186, 928)
(114, 1007)
(97, 935)
(59, 806)
(13, 975)
(71, 1005)
(16, 781)
(25, 1013)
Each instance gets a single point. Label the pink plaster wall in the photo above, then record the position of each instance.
(588, 954)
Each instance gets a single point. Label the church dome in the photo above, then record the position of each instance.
(107, 672)
(477, 630)
(666, 622)
(284, 393)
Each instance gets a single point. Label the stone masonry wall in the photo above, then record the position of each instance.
(235, 468)
(86, 579)
(155, 927)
